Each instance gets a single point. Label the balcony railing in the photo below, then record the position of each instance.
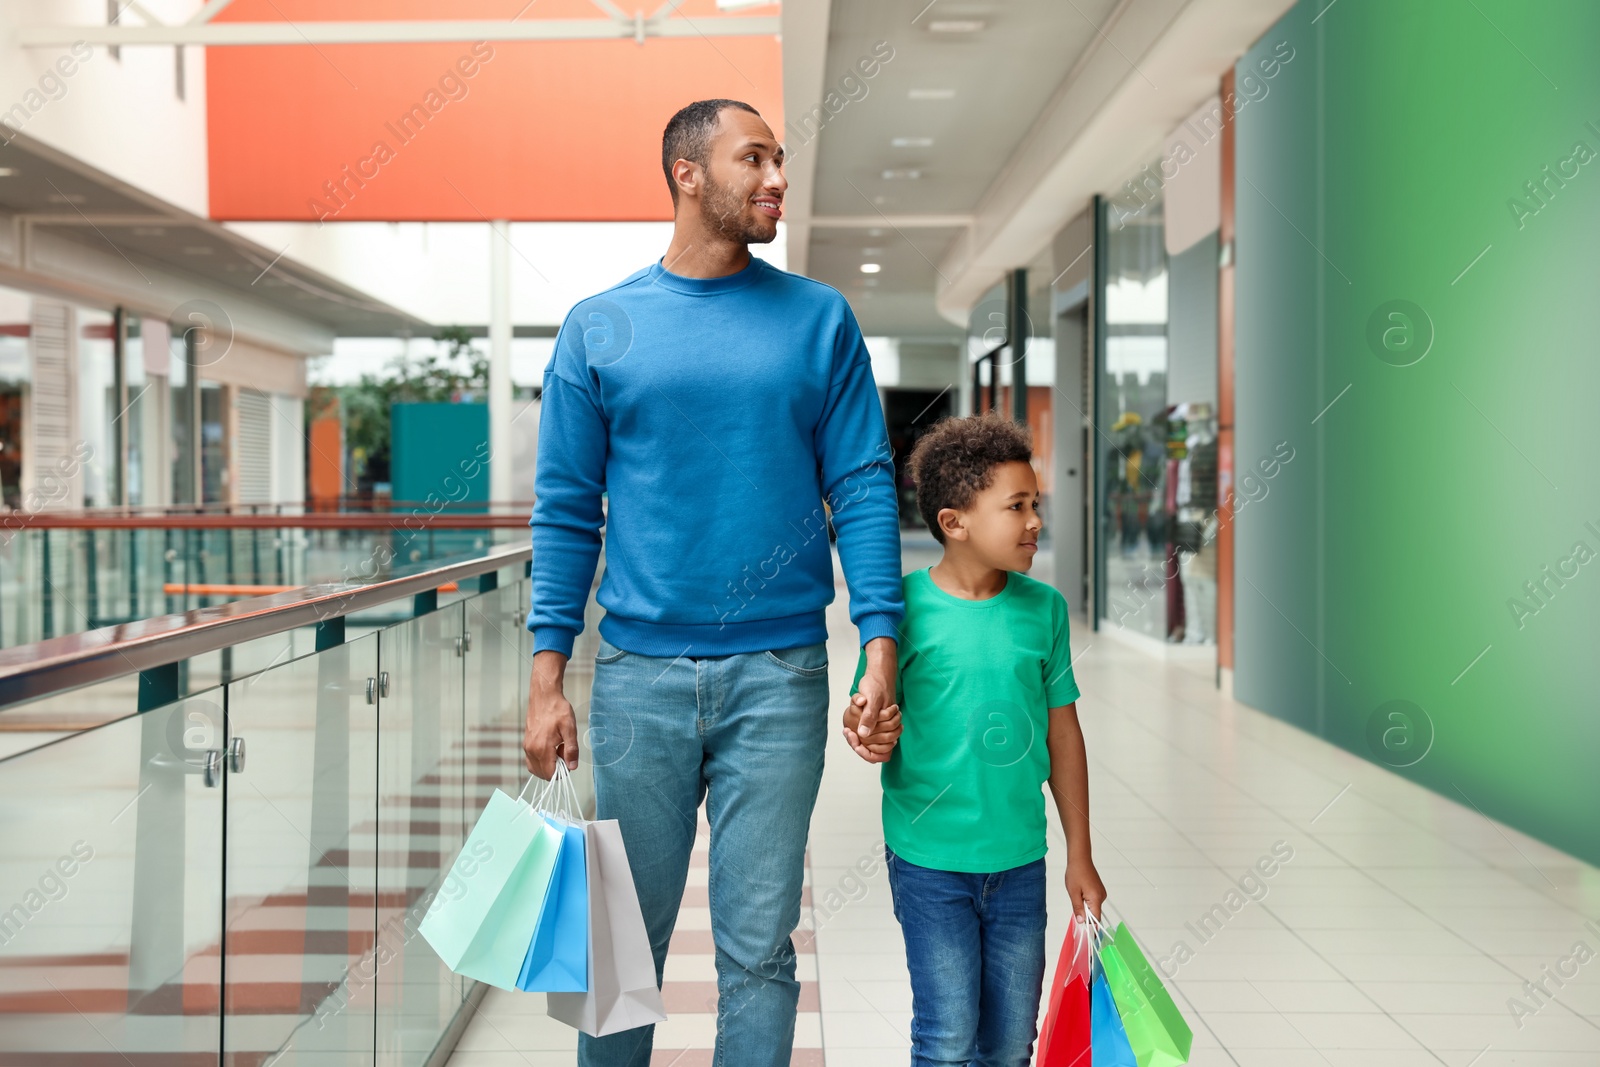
(222, 827)
(65, 572)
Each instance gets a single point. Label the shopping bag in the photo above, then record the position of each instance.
(558, 958)
(1065, 1041)
(622, 991)
(1156, 1031)
(1111, 1048)
(482, 919)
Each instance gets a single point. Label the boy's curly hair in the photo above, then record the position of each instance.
(955, 460)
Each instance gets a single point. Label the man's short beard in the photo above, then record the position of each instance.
(722, 207)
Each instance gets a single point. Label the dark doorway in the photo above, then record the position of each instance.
(909, 412)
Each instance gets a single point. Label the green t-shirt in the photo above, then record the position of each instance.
(962, 791)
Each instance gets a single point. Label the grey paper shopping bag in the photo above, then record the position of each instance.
(622, 972)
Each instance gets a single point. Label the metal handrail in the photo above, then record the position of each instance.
(330, 520)
(28, 672)
(358, 506)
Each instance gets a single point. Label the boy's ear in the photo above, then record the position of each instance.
(951, 525)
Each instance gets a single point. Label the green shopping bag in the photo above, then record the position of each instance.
(482, 919)
(1156, 1030)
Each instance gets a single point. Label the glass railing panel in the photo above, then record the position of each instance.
(495, 692)
(421, 824)
(301, 863)
(604, 743)
(112, 901)
(49, 719)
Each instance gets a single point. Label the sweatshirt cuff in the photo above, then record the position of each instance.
(554, 639)
(878, 625)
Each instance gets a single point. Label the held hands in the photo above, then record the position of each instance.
(1084, 887)
(872, 733)
(872, 718)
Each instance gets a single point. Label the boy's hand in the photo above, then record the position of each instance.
(878, 743)
(1084, 887)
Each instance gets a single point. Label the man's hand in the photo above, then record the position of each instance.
(877, 746)
(552, 728)
(877, 686)
(1084, 887)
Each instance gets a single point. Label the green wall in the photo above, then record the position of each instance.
(1386, 560)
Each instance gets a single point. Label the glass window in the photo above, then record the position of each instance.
(213, 443)
(1137, 478)
(184, 418)
(16, 324)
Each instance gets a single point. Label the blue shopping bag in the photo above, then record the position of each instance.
(558, 958)
(1108, 1040)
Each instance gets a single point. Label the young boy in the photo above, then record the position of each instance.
(987, 702)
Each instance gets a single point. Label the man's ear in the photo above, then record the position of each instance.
(950, 523)
(688, 176)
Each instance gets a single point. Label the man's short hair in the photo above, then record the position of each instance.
(955, 460)
(689, 132)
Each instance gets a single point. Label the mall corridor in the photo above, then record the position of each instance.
(1398, 933)
(352, 354)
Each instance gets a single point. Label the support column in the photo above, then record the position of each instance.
(1017, 330)
(1225, 282)
(500, 473)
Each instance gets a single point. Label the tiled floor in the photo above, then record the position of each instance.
(1400, 932)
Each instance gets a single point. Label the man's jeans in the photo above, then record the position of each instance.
(746, 733)
(975, 950)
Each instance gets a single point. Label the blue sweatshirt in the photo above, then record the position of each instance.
(717, 415)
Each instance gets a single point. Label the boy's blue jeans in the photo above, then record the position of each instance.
(975, 950)
(746, 734)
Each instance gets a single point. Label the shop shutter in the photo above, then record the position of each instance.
(53, 464)
(255, 447)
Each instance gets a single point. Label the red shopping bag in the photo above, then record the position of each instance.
(1065, 1040)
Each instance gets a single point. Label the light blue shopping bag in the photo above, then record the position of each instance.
(1108, 1040)
(482, 919)
(558, 959)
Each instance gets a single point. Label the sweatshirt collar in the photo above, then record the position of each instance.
(728, 283)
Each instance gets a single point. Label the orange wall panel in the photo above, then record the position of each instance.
(325, 476)
(461, 131)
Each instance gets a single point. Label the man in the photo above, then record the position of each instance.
(726, 409)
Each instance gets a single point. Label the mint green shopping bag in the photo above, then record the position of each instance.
(482, 919)
(1156, 1031)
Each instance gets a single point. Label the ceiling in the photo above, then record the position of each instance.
(52, 195)
(965, 84)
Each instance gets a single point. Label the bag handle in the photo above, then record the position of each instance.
(1084, 938)
(1096, 928)
(542, 795)
(559, 797)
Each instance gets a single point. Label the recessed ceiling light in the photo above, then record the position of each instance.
(902, 174)
(872, 251)
(871, 268)
(912, 142)
(932, 94)
(956, 25)
(875, 232)
(8, 172)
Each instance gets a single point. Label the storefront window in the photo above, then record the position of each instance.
(1139, 470)
(184, 420)
(213, 443)
(16, 319)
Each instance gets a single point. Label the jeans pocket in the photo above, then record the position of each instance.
(608, 653)
(808, 661)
